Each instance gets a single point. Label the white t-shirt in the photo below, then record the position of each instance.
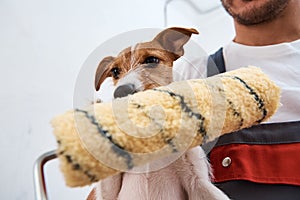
(281, 62)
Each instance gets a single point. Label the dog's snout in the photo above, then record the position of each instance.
(124, 90)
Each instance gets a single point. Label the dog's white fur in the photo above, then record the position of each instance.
(186, 178)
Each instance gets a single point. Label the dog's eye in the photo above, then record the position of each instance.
(151, 59)
(115, 72)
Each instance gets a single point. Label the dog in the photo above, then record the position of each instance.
(145, 66)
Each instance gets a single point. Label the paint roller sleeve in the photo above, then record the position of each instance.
(106, 138)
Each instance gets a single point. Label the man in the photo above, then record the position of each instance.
(263, 163)
(267, 36)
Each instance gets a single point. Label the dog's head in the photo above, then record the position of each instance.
(145, 65)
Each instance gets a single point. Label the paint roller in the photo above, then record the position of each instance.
(104, 139)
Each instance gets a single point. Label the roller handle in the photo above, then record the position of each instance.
(39, 176)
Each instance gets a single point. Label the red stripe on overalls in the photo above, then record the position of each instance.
(249, 162)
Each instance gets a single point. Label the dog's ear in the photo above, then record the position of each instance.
(173, 39)
(103, 71)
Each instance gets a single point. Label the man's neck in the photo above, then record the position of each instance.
(285, 28)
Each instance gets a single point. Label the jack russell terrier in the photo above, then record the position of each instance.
(144, 66)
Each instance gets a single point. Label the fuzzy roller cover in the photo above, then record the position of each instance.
(106, 138)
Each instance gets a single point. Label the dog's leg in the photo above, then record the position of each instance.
(134, 186)
(194, 175)
(108, 189)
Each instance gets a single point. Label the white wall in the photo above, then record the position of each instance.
(43, 45)
(215, 27)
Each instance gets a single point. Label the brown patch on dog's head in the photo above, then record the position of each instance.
(164, 49)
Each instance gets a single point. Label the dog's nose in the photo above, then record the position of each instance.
(124, 90)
